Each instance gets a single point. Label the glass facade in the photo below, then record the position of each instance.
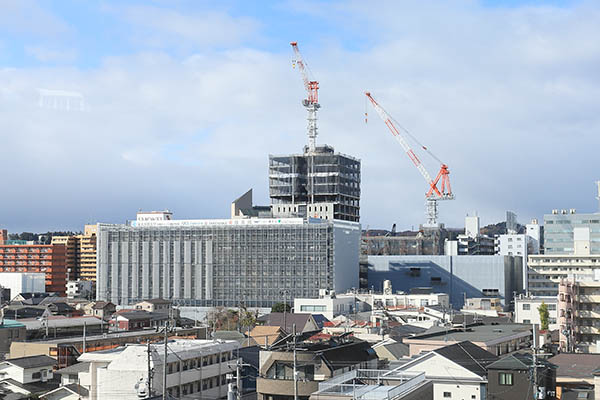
(558, 231)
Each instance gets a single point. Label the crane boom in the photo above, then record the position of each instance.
(434, 193)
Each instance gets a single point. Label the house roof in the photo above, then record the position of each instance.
(517, 361)
(142, 315)
(344, 355)
(74, 369)
(32, 361)
(277, 319)
(468, 356)
(73, 388)
(156, 301)
(99, 305)
(265, 334)
(580, 365)
(474, 333)
(320, 320)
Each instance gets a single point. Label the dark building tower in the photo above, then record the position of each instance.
(320, 183)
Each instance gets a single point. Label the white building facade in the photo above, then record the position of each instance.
(526, 310)
(194, 367)
(23, 282)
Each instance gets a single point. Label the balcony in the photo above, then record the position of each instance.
(285, 387)
(588, 330)
(589, 298)
(588, 314)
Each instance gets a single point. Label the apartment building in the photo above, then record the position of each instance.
(194, 367)
(80, 253)
(49, 259)
(526, 310)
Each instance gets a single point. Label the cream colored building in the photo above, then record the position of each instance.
(80, 253)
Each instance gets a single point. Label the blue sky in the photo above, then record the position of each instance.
(184, 100)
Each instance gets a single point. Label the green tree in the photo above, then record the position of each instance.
(279, 307)
(544, 316)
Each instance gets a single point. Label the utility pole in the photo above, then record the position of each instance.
(149, 370)
(164, 396)
(295, 364)
(238, 378)
(84, 336)
(535, 375)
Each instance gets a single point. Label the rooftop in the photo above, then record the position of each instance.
(469, 356)
(32, 361)
(473, 333)
(579, 366)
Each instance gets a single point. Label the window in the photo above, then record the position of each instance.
(526, 321)
(526, 307)
(505, 379)
(552, 307)
(36, 375)
(447, 395)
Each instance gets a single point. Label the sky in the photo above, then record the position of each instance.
(178, 104)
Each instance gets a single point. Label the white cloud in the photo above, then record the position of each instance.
(507, 97)
(27, 17)
(51, 54)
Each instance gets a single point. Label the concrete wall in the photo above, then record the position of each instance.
(23, 282)
(455, 275)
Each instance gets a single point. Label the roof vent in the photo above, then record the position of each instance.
(497, 330)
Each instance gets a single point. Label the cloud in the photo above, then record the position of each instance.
(27, 17)
(164, 27)
(48, 54)
(507, 97)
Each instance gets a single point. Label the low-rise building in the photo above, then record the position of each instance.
(286, 321)
(137, 319)
(26, 376)
(375, 385)
(10, 331)
(511, 378)
(316, 362)
(527, 310)
(194, 367)
(157, 305)
(497, 339)
(79, 289)
(101, 309)
(458, 371)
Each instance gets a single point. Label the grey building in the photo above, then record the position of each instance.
(206, 263)
(511, 378)
(319, 183)
(559, 228)
(475, 276)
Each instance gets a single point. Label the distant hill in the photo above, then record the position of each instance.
(499, 229)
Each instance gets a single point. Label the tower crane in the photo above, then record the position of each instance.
(311, 103)
(434, 194)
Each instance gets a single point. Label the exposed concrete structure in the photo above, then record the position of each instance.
(319, 184)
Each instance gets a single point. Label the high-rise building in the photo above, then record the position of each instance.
(320, 184)
(559, 230)
(80, 254)
(50, 259)
(3, 236)
(205, 263)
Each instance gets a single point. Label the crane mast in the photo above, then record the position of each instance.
(434, 194)
(311, 103)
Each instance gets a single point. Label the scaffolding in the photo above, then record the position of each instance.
(319, 177)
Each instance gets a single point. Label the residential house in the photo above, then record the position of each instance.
(316, 362)
(138, 319)
(27, 376)
(497, 339)
(265, 335)
(286, 321)
(100, 309)
(10, 330)
(458, 371)
(511, 378)
(155, 305)
(375, 385)
(67, 392)
(575, 371)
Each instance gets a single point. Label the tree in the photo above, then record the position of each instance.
(544, 316)
(279, 307)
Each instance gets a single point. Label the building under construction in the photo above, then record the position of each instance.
(423, 242)
(318, 183)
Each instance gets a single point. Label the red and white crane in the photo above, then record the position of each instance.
(311, 103)
(434, 194)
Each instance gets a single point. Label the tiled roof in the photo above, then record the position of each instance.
(580, 365)
(469, 356)
(32, 361)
